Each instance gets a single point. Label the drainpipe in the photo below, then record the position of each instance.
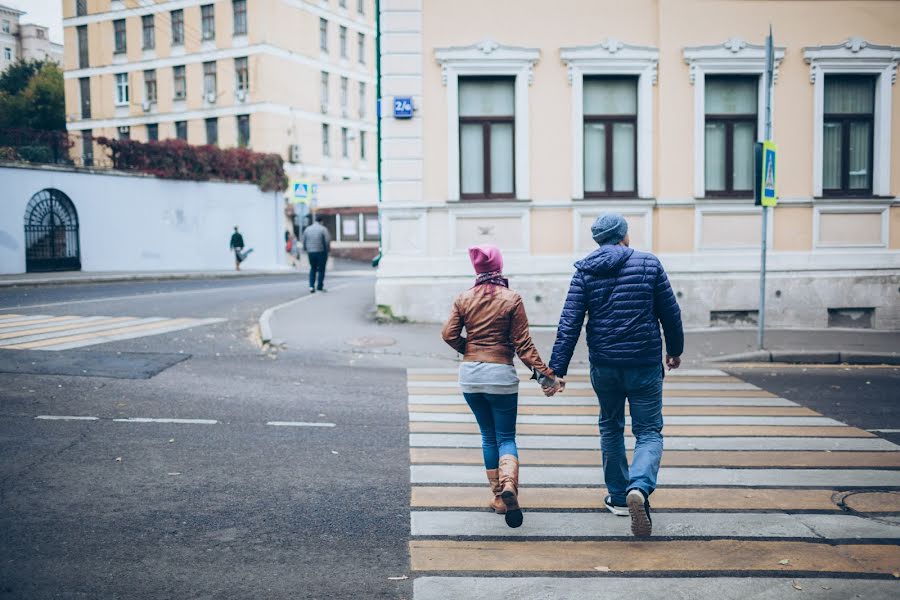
(377, 259)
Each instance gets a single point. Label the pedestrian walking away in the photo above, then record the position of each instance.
(237, 246)
(496, 326)
(625, 295)
(317, 244)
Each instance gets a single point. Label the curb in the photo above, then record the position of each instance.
(812, 357)
(138, 277)
(265, 324)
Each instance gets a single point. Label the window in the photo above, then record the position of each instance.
(372, 231)
(150, 85)
(240, 16)
(730, 134)
(610, 125)
(361, 48)
(179, 82)
(362, 98)
(848, 134)
(362, 145)
(326, 141)
(122, 89)
(125, 133)
(41, 34)
(349, 227)
(243, 128)
(181, 130)
(82, 47)
(345, 146)
(7, 53)
(323, 35)
(212, 131)
(6, 26)
(149, 32)
(486, 122)
(361, 6)
(80, 8)
(209, 81)
(242, 74)
(342, 3)
(84, 85)
(345, 84)
(119, 36)
(152, 132)
(208, 21)
(177, 18)
(323, 92)
(343, 37)
(87, 148)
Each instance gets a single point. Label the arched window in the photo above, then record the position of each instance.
(51, 233)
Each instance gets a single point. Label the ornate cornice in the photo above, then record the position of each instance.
(733, 54)
(487, 54)
(852, 54)
(610, 55)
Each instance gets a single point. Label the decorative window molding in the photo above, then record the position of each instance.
(882, 211)
(729, 209)
(855, 56)
(488, 58)
(613, 57)
(733, 57)
(486, 214)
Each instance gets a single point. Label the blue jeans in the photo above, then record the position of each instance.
(496, 416)
(642, 386)
(317, 262)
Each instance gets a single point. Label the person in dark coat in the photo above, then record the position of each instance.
(237, 246)
(317, 244)
(626, 296)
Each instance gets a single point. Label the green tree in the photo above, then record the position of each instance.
(32, 95)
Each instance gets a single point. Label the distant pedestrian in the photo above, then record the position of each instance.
(237, 245)
(496, 328)
(626, 295)
(317, 244)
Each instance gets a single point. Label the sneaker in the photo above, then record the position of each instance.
(312, 290)
(616, 509)
(639, 509)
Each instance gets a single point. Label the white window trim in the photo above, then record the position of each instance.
(501, 212)
(488, 58)
(116, 87)
(819, 210)
(733, 57)
(612, 57)
(624, 209)
(751, 210)
(855, 55)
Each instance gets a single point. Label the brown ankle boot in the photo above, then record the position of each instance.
(496, 504)
(509, 489)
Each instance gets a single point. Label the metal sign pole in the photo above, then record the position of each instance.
(770, 62)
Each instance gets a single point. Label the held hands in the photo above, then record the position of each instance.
(673, 362)
(558, 386)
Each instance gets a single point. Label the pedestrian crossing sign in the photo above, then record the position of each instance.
(300, 191)
(765, 174)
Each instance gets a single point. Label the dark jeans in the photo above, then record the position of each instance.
(642, 387)
(496, 416)
(317, 262)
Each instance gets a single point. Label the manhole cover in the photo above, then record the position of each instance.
(873, 502)
(372, 342)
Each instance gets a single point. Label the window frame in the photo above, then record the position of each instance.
(486, 121)
(7, 53)
(730, 120)
(148, 33)
(177, 24)
(323, 34)
(6, 26)
(87, 147)
(242, 73)
(122, 84)
(214, 122)
(80, 8)
(243, 137)
(345, 142)
(81, 35)
(178, 126)
(360, 7)
(324, 90)
(362, 144)
(150, 85)
(342, 41)
(609, 121)
(326, 140)
(120, 35)
(213, 74)
(361, 47)
(345, 95)
(845, 119)
(361, 98)
(154, 127)
(182, 78)
(243, 17)
(84, 91)
(208, 23)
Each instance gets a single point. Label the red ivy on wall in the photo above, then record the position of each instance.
(176, 159)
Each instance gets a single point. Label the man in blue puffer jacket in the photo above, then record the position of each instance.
(626, 295)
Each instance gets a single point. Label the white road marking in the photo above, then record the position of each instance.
(88, 328)
(584, 385)
(426, 417)
(883, 430)
(298, 424)
(676, 373)
(132, 335)
(149, 420)
(568, 400)
(65, 418)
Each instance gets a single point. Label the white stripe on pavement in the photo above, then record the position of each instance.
(149, 420)
(132, 335)
(671, 420)
(676, 373)
(829, 478)
(4, 329)
(597, 524)
(11, 321)
(564, 400)
(883, 430)
(583, 385)
(566, 442)
(65, 418)
(88, 328)
(298, 424)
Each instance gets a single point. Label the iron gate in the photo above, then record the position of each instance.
(51, 233)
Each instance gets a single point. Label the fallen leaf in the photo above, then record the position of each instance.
(172, 440)
(334, 451)
(796, 585)
(400, 578)
(602, 569)
(784, 561)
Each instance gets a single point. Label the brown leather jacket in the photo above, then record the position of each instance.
(496, 328)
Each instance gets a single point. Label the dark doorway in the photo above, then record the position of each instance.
(51, 233)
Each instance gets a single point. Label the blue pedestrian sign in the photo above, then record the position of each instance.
(300, 191)
(403, 107)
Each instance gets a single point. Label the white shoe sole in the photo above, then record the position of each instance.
(619, 511)
(640, 521)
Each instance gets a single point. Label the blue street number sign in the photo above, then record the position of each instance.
(403, 107)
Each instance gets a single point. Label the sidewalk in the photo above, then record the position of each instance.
(340, 323)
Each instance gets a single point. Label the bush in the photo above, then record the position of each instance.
(36, 154)
(176, 159)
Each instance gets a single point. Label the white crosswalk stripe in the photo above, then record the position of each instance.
(770, 516)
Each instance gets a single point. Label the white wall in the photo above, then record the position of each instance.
(134, 223)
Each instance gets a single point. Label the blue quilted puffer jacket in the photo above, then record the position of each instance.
(626, 295)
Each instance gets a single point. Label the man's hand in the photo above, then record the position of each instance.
(673, 362)
(552, 389)
(562, 384)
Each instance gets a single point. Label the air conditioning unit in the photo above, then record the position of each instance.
(294, 153)
(241, 95)
(146, 105)
(211, 97)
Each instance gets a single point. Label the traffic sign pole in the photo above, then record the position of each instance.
(770, 70)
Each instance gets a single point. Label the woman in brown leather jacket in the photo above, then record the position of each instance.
(496, 328)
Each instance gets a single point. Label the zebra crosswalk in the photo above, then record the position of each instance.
(46, 332)
(757, 495)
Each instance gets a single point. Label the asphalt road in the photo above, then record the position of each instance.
(233, 509)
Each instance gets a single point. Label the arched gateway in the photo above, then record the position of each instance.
(51, 233)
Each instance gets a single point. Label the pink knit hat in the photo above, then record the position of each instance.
(486, 258)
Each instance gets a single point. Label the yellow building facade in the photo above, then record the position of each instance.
(532, 118)
(293, 77)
